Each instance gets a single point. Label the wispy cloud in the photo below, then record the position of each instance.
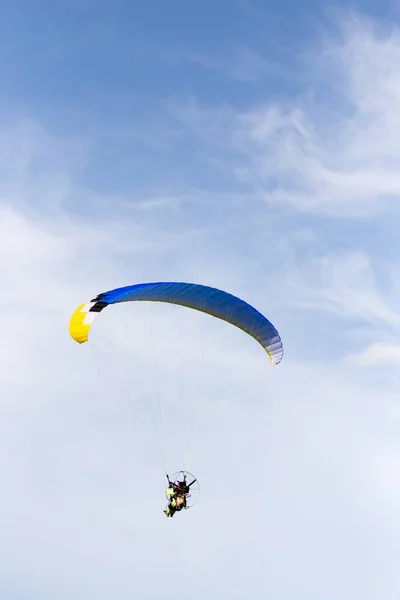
(346, 286)
(378, 353)
(317, 155)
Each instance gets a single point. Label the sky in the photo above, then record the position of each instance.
(240, 144)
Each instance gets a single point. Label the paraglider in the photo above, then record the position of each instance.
(209, 300)
(206, 299)
(178, 492)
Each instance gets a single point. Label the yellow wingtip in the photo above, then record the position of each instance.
(79, 331)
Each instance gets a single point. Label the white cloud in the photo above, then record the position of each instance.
(345, 286)
(332, 150)
(378, 353)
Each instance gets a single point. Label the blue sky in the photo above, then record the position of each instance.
(248, 146)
